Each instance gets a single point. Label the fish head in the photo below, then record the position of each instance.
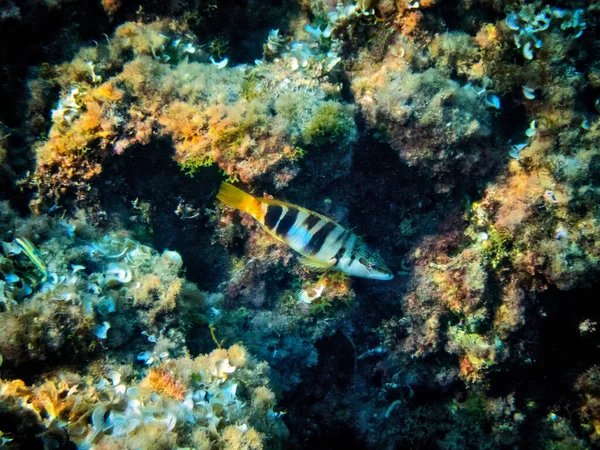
(368, 264)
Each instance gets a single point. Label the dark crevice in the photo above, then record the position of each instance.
(564, 353)
(148, 174)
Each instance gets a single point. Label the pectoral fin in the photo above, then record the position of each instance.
(318, 265)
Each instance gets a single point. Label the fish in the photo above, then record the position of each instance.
(33, 254)
(322, 243)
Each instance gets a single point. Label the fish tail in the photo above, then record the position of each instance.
(236, 198)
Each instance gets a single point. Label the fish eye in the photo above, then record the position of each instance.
(367, 264)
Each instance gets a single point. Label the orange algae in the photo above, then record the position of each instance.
(163, 382)
(204, 109)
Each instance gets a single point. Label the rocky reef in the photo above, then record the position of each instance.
(459, 139)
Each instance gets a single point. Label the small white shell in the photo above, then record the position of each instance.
(517, 39)
(560, 232)
(170, 421)
(173, 256)
(492, 100)
(330, 63)
(313, 31)
(512, 22)
(146, 357)
(350, 10)
(151, 337)
(132, 392)
(115, 377)
(516, 149)
(528, 92)
(188, 404)
(117, 275)
(294, 65)
(189, 48)
(326, 33)
(11, 248)
(102, 330)
(220, 64)
(528, 51)
(98, 419)
(11, 278)
(76, 268)
(530, 132)
(105, 306)
(121, 425)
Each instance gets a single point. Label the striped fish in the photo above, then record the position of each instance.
(323, 243)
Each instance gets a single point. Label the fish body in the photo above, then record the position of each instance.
(323, 243)
(33, 254)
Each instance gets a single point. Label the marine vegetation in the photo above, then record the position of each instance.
(161, 287)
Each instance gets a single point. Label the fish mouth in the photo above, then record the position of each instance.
(384, 276)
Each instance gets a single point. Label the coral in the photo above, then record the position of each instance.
(178, 400)
(99, 290)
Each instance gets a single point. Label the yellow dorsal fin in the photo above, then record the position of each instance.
(236, 198)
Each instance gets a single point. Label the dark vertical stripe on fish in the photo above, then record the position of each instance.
(342, 237)
(354, 253)
(318, 239)
(310, 221)
(287, 221)
(272, 216)
(347, 235)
